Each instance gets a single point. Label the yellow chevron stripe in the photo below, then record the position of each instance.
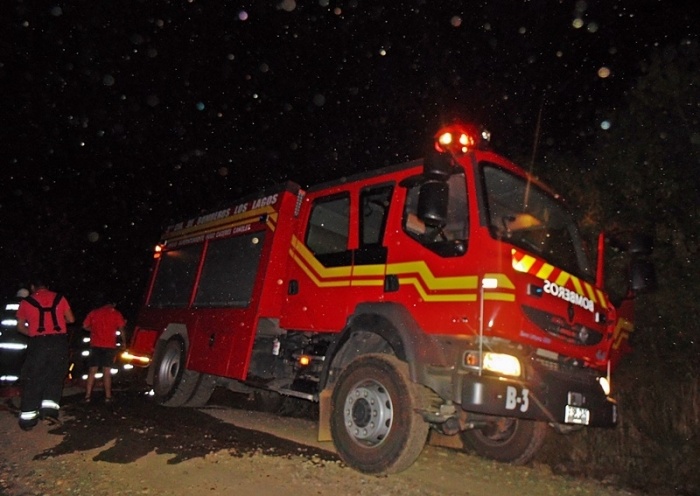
(590, 291)
(562, 278)
(377, 270)
(622, 331)
(577, 285)
(581, 287)
(413, 281)
(318, 282)
(309, 259)
(503, 281)
(272, 221)
(367, 282)
(601, 298)
(525, 263)
(545, 271)
(416, 274)
(432, 282)
(488, 295)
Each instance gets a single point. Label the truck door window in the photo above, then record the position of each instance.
(229, 270)
(374, 210)
(374, 203)
(175, 277)
(328, 230)
(448, 240)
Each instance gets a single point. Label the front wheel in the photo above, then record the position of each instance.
(374, 423)
(507, 440)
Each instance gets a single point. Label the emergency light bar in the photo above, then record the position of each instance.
(459, 138)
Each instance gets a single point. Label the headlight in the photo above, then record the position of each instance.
(605, 384)
(501, 364)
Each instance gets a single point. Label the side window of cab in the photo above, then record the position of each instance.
(327, 233)
(374, 212)
(448, 235)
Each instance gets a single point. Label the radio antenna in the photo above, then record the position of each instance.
(536, 141)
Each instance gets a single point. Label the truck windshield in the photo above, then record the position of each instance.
(526, 216)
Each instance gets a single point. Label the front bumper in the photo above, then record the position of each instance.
(548, 396)
(551, 399)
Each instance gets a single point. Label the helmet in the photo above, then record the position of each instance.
(22, 293)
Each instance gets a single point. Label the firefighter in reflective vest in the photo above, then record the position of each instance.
(43, 316)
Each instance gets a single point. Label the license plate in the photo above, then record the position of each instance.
(576, 415)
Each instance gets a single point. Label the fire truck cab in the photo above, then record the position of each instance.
(452, 293)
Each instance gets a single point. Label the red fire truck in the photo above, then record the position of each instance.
(451, 293)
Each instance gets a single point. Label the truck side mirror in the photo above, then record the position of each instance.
(432, 203)
(438, 166)
(642, 275)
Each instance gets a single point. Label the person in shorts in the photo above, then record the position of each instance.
(106, 327)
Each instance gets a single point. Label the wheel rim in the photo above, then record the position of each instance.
(368, 413)
(169, 367)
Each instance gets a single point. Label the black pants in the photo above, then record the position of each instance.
(44, 372)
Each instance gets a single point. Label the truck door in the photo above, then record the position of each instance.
(225, 304)
(428, 270)
(319, 281)
(339, 256)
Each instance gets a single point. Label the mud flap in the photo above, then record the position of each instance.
(324, 415)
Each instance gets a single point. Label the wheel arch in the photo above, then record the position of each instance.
(371, 329)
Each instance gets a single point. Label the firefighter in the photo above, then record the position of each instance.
(43, 316)
(106, 326)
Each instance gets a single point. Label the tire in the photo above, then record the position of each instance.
(377, 387)
(267, 401)
(173, 384)
(203, 390)
(507, 440)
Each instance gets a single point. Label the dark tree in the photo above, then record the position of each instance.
(643, 175)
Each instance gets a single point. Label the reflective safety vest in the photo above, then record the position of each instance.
(44, 310)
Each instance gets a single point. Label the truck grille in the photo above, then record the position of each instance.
(572, 369)
(557, 326)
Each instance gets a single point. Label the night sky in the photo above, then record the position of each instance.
(121, 117)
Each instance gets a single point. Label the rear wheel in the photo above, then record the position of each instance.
(173, 384)
(507, 440)
(203, 390)
(374, 423)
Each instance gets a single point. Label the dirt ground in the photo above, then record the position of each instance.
(137, 448)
